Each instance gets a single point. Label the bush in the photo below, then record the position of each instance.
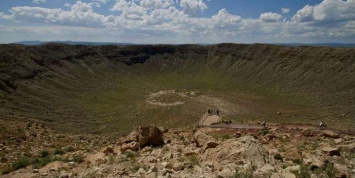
(44, 153)
(79, 158)
(69, 149)
(58, 151)
(131, 154)
(193, 159)
(22, 163)
(304, 172)
(244, 174)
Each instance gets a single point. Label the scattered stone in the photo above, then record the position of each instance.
(283, 175)
(166, 164)
(134, 146)
(237, 135)
(71, 164)
(211, 144)
(178, 166)
(267, 168)
(278, 113)
(309, 133)
(163, 129)
(35, 170)
(64, 175)
(108, 150)
(226, 173)
(338, 140)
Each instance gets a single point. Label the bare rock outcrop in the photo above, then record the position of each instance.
(141, 137)
(243, 150)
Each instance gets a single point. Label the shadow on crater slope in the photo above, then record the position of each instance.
(101, 89)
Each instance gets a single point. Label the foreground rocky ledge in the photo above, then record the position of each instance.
(207, 152)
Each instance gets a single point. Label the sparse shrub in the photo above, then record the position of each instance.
(5, 170)
(193, 159)
(181, 159)
(304, 172)
(135, 167)
(79, 158)
(58, 151)
(44, 161)
(265, 131)
(327, 169)
(226, 137)
(44, 153)
(245, 173)
(27, 154)
(69, 149)
(111, 159)
(283, 140)
(314, 145)
(301, 147)
(131, 154)
(23, 162)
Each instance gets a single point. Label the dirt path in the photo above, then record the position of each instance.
(208, 120)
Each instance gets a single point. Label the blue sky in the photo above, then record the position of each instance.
(179, 21)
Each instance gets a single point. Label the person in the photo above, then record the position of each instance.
(264, 124)
(322, 125)
(218, 112)
(209, 112)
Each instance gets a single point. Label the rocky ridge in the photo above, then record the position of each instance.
(209, 152)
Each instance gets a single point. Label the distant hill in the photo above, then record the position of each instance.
(344, 45)
(35, 43)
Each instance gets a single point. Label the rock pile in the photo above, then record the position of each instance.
(147, 152)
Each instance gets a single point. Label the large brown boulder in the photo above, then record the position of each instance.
(293, 155)
(141, 137)
(149, 135)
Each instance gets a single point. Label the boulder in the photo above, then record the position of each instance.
(338, 140)
(226, 173)
(329, 151)
(108, 150)
(348, 148)
(329, 134)
(201, 139)
(134, 146)
(309, 133)
(211, 144)
(342, 170)
(246, 149)
(178, 166)
(149, 135)
(143, 136)
(293, 155)
(267, 168)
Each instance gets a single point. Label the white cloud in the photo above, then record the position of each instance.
(304, 15)
(270, 17)
(327, 11)
(225, 19)
(190, 7)
(39, 1)
(176, 20)
(285, 10)
(81, 14)
(6, 17)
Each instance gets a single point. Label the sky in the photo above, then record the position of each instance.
(178, 21)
